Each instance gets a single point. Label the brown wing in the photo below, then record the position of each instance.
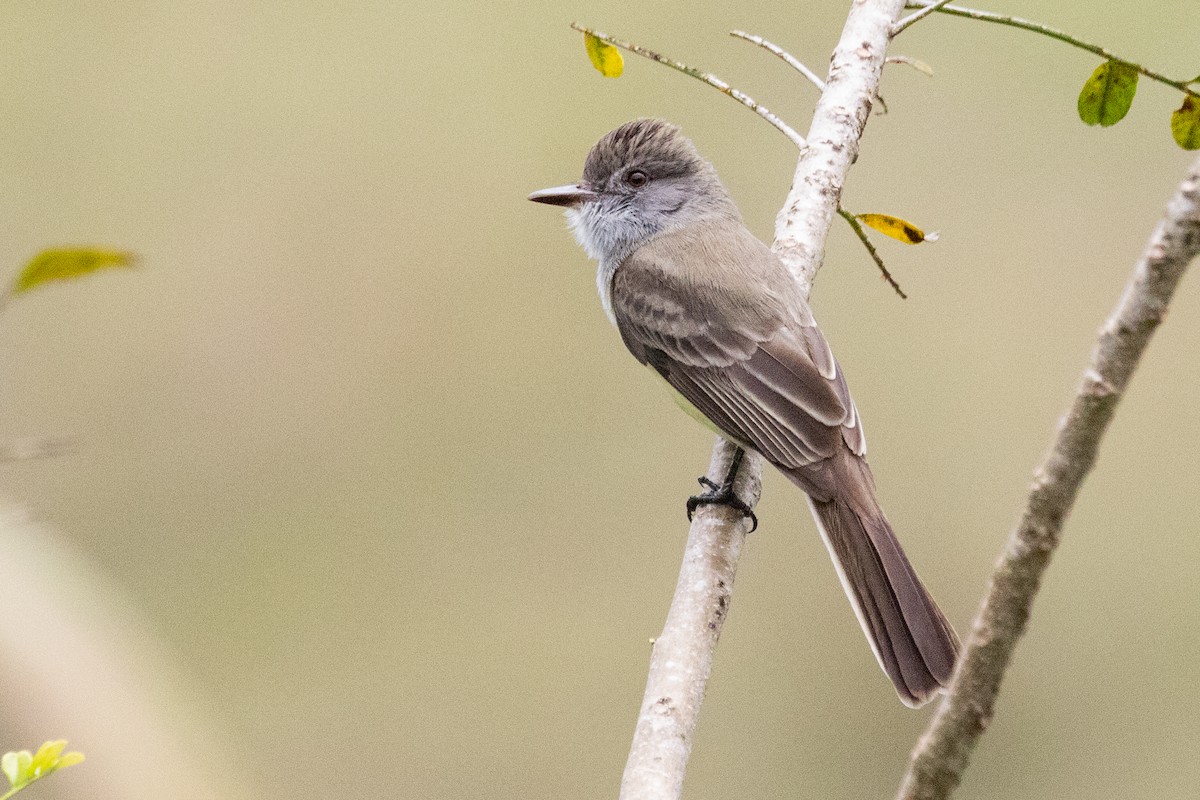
(747, 355)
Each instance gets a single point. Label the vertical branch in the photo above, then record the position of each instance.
(682, 657)
(838, 121)
(941, 755)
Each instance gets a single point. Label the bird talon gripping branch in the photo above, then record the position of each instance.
(722, 496)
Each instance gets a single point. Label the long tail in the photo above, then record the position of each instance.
(914, 643)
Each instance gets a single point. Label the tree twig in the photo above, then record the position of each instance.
(787, 57)
(916, 17)
(705, 77)
(1053, 33)
(682, 655)
(857, 227)
(941, 756)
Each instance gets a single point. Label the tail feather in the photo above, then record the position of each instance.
(912, 640)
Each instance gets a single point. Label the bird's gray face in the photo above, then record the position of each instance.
(639, 180)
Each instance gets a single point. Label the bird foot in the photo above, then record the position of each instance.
(720, 494)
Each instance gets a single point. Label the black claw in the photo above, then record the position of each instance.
(722, 494)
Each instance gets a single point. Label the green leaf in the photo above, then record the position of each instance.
(8, 763)
(899, 229)
(605, 58)
(1108, 94)
(46, 759)
(70, 759)
(66, 264)
(24, 767)
(1185, 124)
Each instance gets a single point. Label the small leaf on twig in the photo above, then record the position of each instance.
(605, 58)
(899, 229)
(66, 264)
(917, 64)
(1185, 124)
(1108, 94)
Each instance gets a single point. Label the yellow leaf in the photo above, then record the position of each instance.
(1185, 124)
(68, 263)
(896, 228)
(605, 58)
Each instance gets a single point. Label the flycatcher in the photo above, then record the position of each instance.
(706, 305)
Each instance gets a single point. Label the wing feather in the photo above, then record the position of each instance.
(750, 360)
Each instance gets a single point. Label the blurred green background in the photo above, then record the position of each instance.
(383, 507)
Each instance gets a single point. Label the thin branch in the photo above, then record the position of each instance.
(794, 62)
(788, 58)
(914, 18)
(705, 77)
(682, 655)
(857, 227)
(1053, 33)
(941, 756)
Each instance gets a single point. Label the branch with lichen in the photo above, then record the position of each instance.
(941, 755)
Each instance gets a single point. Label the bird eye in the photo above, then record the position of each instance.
(637, 178)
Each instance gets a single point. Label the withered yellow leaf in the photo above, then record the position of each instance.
(899, 229)
(605, 58)
(64, 264)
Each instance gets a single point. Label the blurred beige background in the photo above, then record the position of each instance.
(359, 454)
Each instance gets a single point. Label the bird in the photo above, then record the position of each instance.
(711, 310)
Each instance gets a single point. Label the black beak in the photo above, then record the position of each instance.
(570, 196)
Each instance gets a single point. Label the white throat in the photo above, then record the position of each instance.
(608, 236)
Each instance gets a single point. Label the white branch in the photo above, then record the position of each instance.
(838, 122)
(683, 653)
(681, 660)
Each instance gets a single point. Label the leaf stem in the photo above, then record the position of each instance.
(857, 227)
(704, 77)
(1053, 33)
